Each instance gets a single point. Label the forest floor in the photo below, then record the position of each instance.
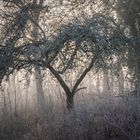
(105, 118)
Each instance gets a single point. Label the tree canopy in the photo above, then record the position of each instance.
(98, 34)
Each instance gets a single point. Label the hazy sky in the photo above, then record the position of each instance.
(0, 3)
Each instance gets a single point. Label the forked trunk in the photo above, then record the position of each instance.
(70, 93)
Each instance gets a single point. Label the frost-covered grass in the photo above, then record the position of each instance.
(94, 118)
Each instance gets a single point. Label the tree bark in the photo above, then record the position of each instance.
(70, 101)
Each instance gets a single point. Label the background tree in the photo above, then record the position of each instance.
(128, 15)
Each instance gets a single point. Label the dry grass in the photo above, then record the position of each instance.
(94, 118)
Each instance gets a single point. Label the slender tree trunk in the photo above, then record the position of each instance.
(98, 83)
(105, 81)
(137, 68)
(111, 83)
(37, 73)
(121, 81)
(13, 92)
(40, 93)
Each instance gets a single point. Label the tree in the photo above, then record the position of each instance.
(15, 30)
(37, 71)
(95, 40)
(131, 18)
(34, 31)
(128, 15)
(84, 43)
